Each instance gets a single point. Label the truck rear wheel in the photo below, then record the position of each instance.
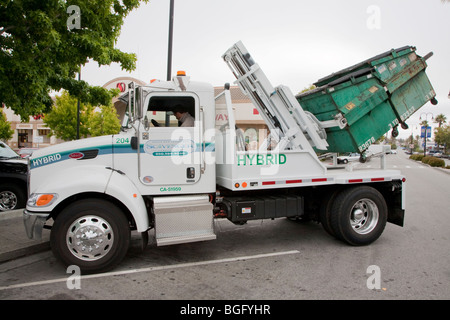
(359, 215)
(325, 212)
(93, 234)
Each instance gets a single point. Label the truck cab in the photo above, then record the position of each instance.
(170, 158)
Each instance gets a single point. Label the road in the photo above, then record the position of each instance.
(273, 260)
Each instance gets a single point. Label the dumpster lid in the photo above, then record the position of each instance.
(358, 66)
(336, 82)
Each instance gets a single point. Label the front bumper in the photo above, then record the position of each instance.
(34, 223)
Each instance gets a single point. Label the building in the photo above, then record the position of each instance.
(35, 134)
(31, 134)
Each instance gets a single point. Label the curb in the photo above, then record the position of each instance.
(447, 171)
(20, 248)
(5, 215)
(25, 251)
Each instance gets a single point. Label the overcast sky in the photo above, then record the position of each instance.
(295, 42)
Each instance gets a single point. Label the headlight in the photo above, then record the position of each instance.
(41, 199)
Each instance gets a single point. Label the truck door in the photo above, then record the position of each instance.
(171, 149)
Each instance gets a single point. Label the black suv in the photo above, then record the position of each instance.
(13, 179)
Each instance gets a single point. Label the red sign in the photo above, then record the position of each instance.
(121, 86)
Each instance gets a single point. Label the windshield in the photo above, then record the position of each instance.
(7, 152)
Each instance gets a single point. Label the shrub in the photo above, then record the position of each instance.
(427, 159)
(417, 157)
(436, 162)
(433, 161)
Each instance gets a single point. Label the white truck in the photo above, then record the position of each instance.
(176, 180)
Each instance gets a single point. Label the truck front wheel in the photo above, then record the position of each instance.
(93, 234)
(359, 215)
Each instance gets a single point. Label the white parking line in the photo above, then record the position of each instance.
(150, 269)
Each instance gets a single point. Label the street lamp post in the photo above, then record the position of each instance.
(426, 128)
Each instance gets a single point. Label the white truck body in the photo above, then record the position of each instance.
(177, 180)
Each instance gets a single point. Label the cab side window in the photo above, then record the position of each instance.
(171, 111)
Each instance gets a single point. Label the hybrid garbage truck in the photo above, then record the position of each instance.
(176, 179)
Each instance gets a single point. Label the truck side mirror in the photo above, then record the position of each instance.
(139, 98)
(134, 143)
(135, 101)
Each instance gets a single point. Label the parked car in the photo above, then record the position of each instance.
(26, 152)
(13, 179)
(348, 157)
(437, 155)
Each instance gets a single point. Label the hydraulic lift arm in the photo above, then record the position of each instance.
(288, 122)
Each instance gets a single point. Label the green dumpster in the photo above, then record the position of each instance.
(373, 96)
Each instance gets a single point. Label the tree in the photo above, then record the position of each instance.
(104, 121)
(5, 127)
(414, 142)
(442, 136)
(424, 123)
(440, 119)
(42, 49)
(62, 120)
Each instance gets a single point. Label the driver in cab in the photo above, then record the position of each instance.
(184, 118)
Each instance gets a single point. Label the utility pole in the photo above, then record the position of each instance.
(169, 51)
(78, 109)
(169, 54)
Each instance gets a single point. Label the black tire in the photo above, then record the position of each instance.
(12, 197)
(359, 215)
(93, 234)
(362, 159)
(395, 132)
(325, 213)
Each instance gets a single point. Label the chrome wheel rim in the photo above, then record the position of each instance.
(364, 216)
(8, 200)
(90, 238)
